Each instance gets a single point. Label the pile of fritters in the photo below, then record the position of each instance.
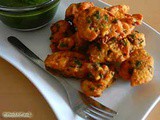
(97, 45)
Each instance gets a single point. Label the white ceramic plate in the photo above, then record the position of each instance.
(131, 103)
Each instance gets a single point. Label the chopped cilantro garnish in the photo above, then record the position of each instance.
(106, 17)
(78, 62)
(132, 36)
(97, 14)
(138, 63)
(92, 88)
(115, 20)
(63, 45)
(88, 19)
(124, 42)
(98, 45)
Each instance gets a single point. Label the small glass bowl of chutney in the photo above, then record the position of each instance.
(27, 15)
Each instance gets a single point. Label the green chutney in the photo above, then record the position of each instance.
(27, 19)
(21, 3)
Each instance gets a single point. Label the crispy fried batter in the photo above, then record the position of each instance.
(95, 88)
(138, 68)
(97, 45)
(68, 63)
(137, 40)
(92, 22)
(74, 9)
(112, 51)
(73, 64)
(118, 11)
(60, 30)
(116, 50)
(97, 22)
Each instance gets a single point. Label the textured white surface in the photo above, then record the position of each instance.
(131, 103)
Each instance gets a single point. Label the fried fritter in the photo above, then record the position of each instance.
(112, 51)
(73, 64)
(95, 88)
(118, 11)
(74, 9)
(92, 22)
(59, 30)
(97, 22)
(98, 45)
(138, 68)
(116, 50)
(68, 63)
(137, 40)
(74, 43)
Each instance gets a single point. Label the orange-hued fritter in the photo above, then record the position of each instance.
(96, 22)
(95, 88)
(74, 9)
(115, 50)
(73, 64)
(138, 68)
(98, 45)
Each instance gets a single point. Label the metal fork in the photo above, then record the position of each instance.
(84, 106)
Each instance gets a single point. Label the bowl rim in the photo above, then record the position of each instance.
(29, 8)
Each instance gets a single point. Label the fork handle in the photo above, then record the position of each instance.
(35, 59)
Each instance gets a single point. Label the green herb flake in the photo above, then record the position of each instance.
(130, 71)
(78, 62)
(92, 88)
(63, 45)
(97, 14)
(106, 17)
(138, 63)
(141, 41)
(89, 75)
(78, 5)
(98, 45)
(124, 42)
(113, 39)
(115, 20)
(132, 36)
(99, 85)
(88, 19)
(101, 75)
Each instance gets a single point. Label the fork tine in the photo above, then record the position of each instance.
(95, 115)
(97, 105)
(93, 109)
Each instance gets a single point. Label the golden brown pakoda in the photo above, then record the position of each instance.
(95, 88)
(59, 30)
(118, 11)
(68, 63)
(74, 43)
(138, 68)
(111, 51)
(92, 22)
(97, 22)
(74, 9)
(98, 45)
(116, 50)
(73, 64)
(137, 40)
